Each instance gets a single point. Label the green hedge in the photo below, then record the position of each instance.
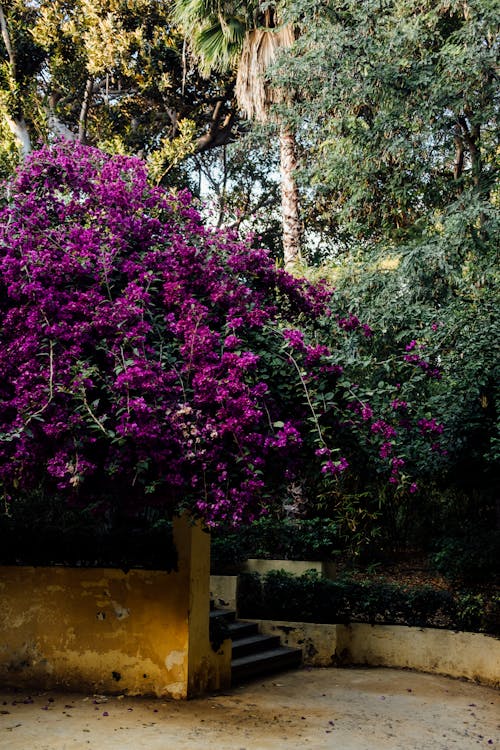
(311, 598)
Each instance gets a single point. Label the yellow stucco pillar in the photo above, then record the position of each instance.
(207, 670)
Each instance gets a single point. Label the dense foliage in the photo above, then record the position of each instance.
(397, 105)
(400, 106)
(271, 538)
(113, 75)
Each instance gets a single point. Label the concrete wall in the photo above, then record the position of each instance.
(224, 591)
(103, 630)
(295, 567)
(317, 641)
(473, 656)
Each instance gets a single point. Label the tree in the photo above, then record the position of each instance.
(21, 61)
(239, 188)
(112, 75)
(401, 105)
(248, 36)
(400, 102)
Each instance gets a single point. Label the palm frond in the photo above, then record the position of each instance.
(255, 96)
(216, 36)
(218, 48)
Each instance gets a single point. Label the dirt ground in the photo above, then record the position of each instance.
(306, 709)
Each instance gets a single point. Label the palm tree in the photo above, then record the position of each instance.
(227, 34)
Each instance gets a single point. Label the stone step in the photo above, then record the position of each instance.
(241, 629)
(254, 643)
(254, 654)
(224, 614)
(271, 660)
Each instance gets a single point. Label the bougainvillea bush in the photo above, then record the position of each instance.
(146, 361)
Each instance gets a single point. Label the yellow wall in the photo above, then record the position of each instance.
(471, 655)
(317, 641)
(141, 632)
(474, 656)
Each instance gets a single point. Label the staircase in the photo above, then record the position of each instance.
(255, 654)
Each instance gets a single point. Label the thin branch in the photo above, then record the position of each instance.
(91, 413)
(304, 385)
(51, 386)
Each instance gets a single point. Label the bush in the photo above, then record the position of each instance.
(271, 538)
(310, 598)
(147, 361)
(473, 558)
(226, 551)
(41, 530)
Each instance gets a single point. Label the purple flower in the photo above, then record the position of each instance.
(295, 338)
(366, 412)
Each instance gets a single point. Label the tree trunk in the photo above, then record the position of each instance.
(20, 131)
(15, 121)
(289, 200)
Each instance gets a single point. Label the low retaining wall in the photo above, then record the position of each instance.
(317, 641)
(473, 656)
(224, 588)
(295, 567)
(104, 630)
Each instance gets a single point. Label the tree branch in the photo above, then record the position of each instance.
(220, 130)
(7, 42)
(84, 110)
(458, 165)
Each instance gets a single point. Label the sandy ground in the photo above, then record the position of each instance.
(310, 709)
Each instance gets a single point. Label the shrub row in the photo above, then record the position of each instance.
(311, 598)
(473, 557)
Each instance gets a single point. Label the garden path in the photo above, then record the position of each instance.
(307, 709)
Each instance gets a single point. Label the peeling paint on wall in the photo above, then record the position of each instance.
(174, 659)
(177, 690)
(78, 629)
(120, 612)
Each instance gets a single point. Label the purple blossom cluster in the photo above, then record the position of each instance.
(148, 360)
(131, 344)
(352, 323)
(418, 361)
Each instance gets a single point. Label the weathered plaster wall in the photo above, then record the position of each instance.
(473, 656)
(104, 630)
(224, 591)
(206, 670)
(318, 642)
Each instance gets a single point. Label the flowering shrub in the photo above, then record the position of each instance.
(148, 361)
